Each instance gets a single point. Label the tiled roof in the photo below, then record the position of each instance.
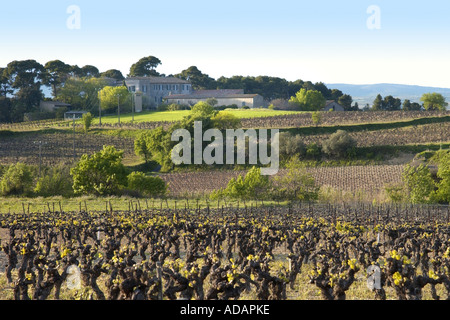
(219, 92)
(195, 96)
(160, 80)
(205, 94)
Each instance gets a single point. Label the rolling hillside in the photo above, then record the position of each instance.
(366, 93)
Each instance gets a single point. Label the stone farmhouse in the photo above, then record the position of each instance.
(150, 92)
(224, 97)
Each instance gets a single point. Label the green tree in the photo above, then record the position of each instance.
(111, 97)
(114, 74)
(5, 85)
(198, 79)
(308, 100)
(102, 173)
(141, 147)
(410, 106)
(82, 93)
(17, 180)
(433, 101)
(146, 185)
(160, 145)
(419, 183)
(115, 97)
(346, 101)
(392, 104)
(378, 103)
(25, 77)
(145, 67)
(55, 75)
(89, 71)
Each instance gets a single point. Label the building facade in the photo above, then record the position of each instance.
(224, 97)
(150, 91)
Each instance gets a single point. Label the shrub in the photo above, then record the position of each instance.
(56, 182)
(395, 192)
(101, 173)
(313, 151)
(295, 184)
(87, 121)
(291, 145)
(17, 180)
(174, 107)
(252, 186)
(162, 107)
(339, 144)
(148, 186)
(418, 183)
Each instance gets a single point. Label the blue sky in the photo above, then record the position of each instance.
(325, 40)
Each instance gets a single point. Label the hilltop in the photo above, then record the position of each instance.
(366, 93)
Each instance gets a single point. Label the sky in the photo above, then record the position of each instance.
(347, 41)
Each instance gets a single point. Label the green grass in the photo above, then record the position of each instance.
(150, 116)
(92, 203)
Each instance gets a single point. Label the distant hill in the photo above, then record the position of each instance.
(366, 93)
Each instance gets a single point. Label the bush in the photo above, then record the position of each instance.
(162, 107)
(17, 180)
(295, 184)
(418, 182)
(313, 151)
(87, 121)
(252, 186)
(148, 186)
(101, 173)
(291, 145)
(57, 182)
(339, 144)
(173, 107)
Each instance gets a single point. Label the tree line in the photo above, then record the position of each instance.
(21, 84)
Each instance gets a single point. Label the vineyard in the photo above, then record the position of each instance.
(369, 179)
(57, 148)
(339, 118)
(228, 253)
(423, 134)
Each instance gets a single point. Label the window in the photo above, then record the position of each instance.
(144, 88)
(132, 88)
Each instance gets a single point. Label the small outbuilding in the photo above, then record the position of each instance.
(70, 115)
(52, 106)
(332, 105)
